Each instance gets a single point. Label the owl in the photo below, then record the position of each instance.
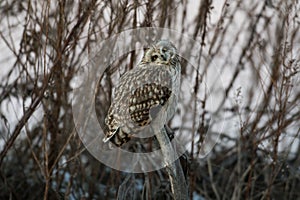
(153, 83)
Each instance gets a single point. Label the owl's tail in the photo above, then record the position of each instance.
(118, 137)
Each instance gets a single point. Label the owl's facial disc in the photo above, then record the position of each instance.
(162, 54)
(157, 57)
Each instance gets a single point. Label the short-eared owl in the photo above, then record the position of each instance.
(154, 82)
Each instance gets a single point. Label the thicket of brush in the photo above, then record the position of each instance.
(253, 44)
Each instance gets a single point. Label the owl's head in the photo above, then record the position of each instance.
(161, 52)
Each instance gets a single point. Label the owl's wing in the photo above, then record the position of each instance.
(144, 99)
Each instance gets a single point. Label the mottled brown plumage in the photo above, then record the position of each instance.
(154, 82)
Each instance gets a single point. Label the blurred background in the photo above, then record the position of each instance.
(242, 126)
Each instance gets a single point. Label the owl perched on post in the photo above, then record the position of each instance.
(153, 83)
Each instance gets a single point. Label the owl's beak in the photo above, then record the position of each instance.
(163, 56)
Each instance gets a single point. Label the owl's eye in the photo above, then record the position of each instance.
(153, 58)
(164, 49)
